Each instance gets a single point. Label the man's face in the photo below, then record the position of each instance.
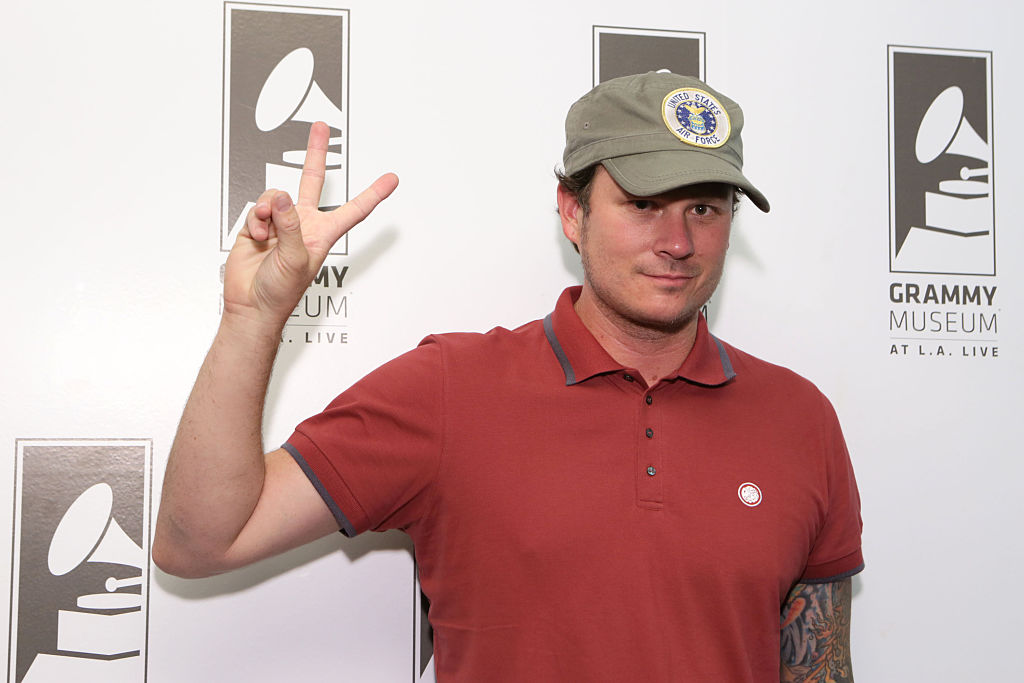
(649, 263)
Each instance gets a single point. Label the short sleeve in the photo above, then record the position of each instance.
(836, 553)
(373, 453)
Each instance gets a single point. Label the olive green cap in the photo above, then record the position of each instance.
(658, 131)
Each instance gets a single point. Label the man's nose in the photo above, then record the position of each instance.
(674, 237)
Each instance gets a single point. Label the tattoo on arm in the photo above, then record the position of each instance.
(815, 634)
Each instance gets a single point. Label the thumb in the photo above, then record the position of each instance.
(290, 246)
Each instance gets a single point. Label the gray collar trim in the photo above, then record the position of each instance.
(724, 357)
(556, 346)
(570, 373)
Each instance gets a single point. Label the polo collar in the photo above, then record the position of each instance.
(582, 357)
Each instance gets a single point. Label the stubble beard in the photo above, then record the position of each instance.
(633, 321)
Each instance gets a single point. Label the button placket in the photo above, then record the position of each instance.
(650, 491)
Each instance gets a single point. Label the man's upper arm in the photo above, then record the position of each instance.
(289, 513)
(815, 635)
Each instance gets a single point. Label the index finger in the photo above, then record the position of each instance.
(352, 212)
(311, 184)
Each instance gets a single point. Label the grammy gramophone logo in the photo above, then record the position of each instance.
(620, 51)
(284, 68)
(80, 568)
(941, 173)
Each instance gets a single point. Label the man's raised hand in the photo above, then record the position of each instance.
(283, 244)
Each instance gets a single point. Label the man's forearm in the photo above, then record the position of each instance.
(816, 634)
(215, 470)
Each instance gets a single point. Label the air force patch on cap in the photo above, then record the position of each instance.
(696, 117)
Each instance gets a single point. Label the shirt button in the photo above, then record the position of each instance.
(651, 471)
(628, 378)
(650, 433)
(649, 399)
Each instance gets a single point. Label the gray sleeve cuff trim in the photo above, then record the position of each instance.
(837, 577)
(339, 516)
(563, 360)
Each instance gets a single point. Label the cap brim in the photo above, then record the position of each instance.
(651, 173)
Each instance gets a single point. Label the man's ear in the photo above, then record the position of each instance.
(571, 213)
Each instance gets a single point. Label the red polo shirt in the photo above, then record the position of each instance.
(573, 524)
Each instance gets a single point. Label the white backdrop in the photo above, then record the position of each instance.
(110, 158)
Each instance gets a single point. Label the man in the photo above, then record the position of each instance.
(611, 493)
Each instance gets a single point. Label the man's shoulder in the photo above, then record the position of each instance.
(778, 393)
(495, 340)
(462, 358)
(752, 370)
(467, 359)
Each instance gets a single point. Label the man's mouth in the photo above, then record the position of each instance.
(671, 277)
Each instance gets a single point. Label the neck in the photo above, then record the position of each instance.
(655, 353)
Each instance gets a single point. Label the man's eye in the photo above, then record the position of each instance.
(642, 204)
(702, 210)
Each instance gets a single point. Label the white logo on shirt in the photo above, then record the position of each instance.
(750, 494)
